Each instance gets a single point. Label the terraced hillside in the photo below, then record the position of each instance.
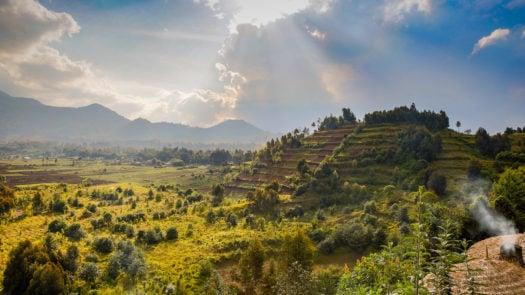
(313, 149)
(367, 157)
(376, 155)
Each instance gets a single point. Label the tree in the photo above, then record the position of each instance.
(302, 168)
(74, 232)
(127, 259)
(458, 124)
(474, 168)
(437, 182)
(57, 225)
(47, 279)
(443, 260)
(297, 248)
(58, 204)
(71, 262)
(89, 272)
(217, 192)
(220, 157)
(510, 195)
(6, 199)
(296, 280)
(103, 245)
(483, 141)
(38, 202)
(251, 265)
(348, 115)
(30, 268)
(172, 233)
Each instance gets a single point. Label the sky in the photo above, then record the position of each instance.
(277, 64)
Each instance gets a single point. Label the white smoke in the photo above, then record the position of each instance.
(492, 221)
(489, 219)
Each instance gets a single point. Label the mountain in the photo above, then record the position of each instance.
(28, 119)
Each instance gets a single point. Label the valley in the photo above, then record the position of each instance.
(323, 206)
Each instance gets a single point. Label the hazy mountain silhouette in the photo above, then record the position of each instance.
(28, 119)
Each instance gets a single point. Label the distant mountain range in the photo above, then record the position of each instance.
(23, 119)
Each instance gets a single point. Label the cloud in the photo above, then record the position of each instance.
(515, 4)
(45, 67)
(26, 24)
(27, 28)
(523, 33)
(196, 108)
(258, 12)
(495, 36)
(394, 11)
(336, 80)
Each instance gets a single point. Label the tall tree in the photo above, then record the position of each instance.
(251, 265)
(298, 248)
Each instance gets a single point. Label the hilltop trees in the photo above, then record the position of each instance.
(491, 146)
(433, 121)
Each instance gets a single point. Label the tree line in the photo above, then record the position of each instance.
(433, 121)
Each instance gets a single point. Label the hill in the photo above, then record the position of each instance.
(366, 194)
(27, 119)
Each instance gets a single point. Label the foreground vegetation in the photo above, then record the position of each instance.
(389, 208)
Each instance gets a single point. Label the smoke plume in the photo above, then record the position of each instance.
(489, 219)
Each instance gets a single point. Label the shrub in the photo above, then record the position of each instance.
(58, 205)
(171, 233)
(327, 246)
(153, 236)
(92, 208)
(71, 260)
(92, 257)
(126, 259)
(438, 183)
(57, 225)
(296, 211)
(231, 220)
(370, 207)
(74, 232)
(103, 245)
(89, 272)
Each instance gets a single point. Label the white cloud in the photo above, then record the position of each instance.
(495, 36)
(26, 24)
(523, 34)
(317, 34)
(258, 12)
(395, 10)
(321, 6)
(25, 55)
(196, 108)
(336, 79)
(44, 67)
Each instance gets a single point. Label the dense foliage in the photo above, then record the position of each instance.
(433, 121)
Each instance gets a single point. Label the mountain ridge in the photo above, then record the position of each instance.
(28, 119)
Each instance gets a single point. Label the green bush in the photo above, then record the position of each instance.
(172, 234)
(103, 245)
(74, 232)
(57, 225)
